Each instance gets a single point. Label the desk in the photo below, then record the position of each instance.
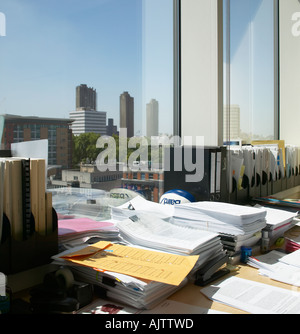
(190, 294)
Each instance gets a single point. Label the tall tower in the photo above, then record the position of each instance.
(127, 113)
(86, 98)
(152, 118)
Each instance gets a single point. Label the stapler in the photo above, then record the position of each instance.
(209, 272)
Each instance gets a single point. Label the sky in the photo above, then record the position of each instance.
(52, 46)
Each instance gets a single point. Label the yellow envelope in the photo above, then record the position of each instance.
(144, 264)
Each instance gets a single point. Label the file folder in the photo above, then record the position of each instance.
(212, 186)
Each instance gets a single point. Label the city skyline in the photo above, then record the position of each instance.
(112, 45)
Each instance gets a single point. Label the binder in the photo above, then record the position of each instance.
(28, 227)
(212, 186)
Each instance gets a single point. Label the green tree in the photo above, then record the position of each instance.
(84, 148)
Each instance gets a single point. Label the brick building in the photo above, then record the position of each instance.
(28, 128)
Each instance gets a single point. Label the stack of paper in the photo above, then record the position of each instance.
(279, 266)
(134, 276)
(76, 231)
(278, 222)
(157, 234)
(139, 204)
(219, 217)
(254, 297)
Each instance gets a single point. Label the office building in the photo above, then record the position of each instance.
(111, 129)
(150, 183)
(88, 121)
(127, 113)
(56, 130)
(86, 98)
(89, 177)
(86, 118)
(231, 119)
(152, 118)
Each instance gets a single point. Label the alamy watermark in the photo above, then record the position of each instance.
(296, 25)
(2, 25)
(159, 145)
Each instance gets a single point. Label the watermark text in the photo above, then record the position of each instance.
(2, 25)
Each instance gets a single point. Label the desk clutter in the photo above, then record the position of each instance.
(28, 222)
(145, 251)
(148, 251)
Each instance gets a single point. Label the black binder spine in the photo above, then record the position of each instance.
(27, 222)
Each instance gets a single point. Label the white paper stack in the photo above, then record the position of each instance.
(219, 217)
(76, 231)
(137, 293)
(139, 204)
(278, 266)
(278, 222)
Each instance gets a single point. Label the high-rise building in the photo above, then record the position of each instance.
(127, 113)
(85, 121)
(86, 118)
(86, 98)
(111, 129)
(231, 122)
(152, 118)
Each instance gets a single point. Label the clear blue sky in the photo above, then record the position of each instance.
(51, 46)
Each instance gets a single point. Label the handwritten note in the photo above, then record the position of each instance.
(145, 264)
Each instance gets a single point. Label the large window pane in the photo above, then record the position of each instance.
(117, 48)
(249, 70)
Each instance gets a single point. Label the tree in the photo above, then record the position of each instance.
(84, 148)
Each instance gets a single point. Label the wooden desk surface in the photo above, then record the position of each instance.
(191, 294)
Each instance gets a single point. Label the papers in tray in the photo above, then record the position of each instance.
(221, 217)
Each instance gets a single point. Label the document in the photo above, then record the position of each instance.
(254, 297)
(150, 265)
(164, 236)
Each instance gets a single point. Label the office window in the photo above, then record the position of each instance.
(110, 47)
(250, 107)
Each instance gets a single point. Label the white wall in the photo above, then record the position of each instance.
(289, 30)
(201, 70)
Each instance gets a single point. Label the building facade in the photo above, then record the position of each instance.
(56, 130)
(149, 183)
(152, 118)
(127, 113)
(85, 121)
(86, 98)
(111, 129)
